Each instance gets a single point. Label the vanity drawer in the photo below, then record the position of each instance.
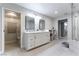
(31, 38)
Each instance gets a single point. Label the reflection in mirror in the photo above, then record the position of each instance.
(42, 24)
(29, 23)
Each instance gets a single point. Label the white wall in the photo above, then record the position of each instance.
(48, 23)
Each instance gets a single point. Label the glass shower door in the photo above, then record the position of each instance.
(75, 21)
(74, 42)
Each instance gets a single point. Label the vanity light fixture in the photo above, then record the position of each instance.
(38, 17)
(34, 16)
(31, 15)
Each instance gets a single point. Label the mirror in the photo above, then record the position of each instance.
(42, 24)
(29, 23)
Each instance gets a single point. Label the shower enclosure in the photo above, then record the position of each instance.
(75, 21)
(74, 38)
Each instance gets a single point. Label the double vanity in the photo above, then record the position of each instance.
(33, 38)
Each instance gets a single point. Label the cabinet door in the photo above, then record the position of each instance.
(37, 39)
(31, 41)
(46, 37)
(43, 38)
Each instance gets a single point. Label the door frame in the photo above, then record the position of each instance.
(59, 27)
(3, 37)
(3, 28)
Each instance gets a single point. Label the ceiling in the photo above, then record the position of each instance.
(49, 9)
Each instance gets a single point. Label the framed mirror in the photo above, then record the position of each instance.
(29, 23)
(42, 24)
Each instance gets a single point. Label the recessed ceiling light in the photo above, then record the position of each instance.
(56, 12)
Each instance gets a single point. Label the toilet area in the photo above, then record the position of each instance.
(12, 29)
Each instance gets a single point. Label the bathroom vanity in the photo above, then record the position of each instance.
(32, 36)
(35, 39)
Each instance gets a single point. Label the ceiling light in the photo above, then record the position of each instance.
(11, 14)
(56, 12)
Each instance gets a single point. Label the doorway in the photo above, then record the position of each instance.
(62, 28)
(12, 29)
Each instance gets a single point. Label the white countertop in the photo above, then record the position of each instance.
(35, 31)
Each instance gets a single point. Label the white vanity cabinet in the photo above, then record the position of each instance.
(42, 38)
(32, 40)
(28, 41)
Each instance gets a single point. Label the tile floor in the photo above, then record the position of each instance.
(54, 48)
(15, 50)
